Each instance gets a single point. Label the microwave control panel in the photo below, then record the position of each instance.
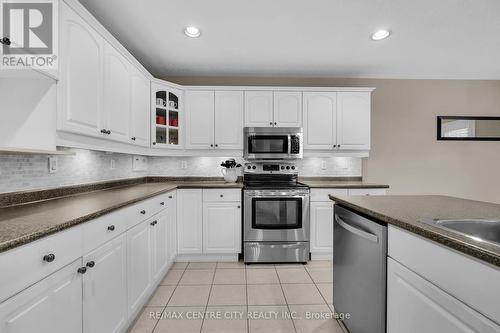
(294, 144)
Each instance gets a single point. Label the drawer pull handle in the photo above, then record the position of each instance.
(90, 264)
(82, 270)
(49, 257)
(239, 207)
(154, 223)
(143, 212)
(170, 197)
(111, 227)
(162, 203)
(222, 195)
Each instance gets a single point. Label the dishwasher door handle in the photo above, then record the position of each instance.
(356, 231)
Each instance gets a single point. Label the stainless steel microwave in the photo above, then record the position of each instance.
(272, 143)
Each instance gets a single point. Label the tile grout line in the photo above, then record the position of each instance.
(208, 299)
(327, 304)
(284, 296)
(171, 295)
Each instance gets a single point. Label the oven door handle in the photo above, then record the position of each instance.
(284, 196)
(361, 233)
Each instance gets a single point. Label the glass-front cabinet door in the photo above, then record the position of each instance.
(166, 116)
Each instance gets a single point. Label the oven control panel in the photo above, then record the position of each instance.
(271, 167)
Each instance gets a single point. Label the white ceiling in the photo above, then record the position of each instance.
(452, 39)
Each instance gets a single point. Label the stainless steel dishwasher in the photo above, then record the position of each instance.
(360, 271)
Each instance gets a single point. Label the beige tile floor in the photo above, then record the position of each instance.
(232, 297)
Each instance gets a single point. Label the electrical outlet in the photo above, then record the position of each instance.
(323, 165)
(112, 164)
(184, 164)
(52, 164)
(140, 163)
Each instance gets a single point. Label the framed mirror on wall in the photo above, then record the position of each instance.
(456, 128)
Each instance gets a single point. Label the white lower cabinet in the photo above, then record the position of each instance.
(139, 265)
(53, 305)
(415, 305)
(209, 222)
(105, 288)
(171, 213)
(321, 218)
(159, 245)
(221, 227)
(189, 221)
(322, 227)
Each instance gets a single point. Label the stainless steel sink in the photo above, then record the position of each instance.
(486, 230)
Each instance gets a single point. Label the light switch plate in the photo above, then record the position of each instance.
(52, 164)
(140, 163)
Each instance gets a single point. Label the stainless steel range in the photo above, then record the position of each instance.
(275, 213)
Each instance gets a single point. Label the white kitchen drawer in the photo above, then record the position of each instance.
(105, 228)
(367, 191)
(159, 202)
(25, 265)
(321, 194)
(213, 195)
(473, 282)
(143, 210)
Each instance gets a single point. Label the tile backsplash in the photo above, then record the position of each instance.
(28, 172)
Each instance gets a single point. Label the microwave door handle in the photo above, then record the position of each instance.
(289, 144)
(356, 231)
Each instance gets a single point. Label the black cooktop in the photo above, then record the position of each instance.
(271, 181)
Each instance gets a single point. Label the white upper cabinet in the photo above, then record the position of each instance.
(166, 116)
(320, 120)
(214, 119)
(287, 109)
(259, 109)
(139, 105)
(353, 120)
(80, 84)
(228, 121)
(199, 119)
(116, 94)
(337, 120)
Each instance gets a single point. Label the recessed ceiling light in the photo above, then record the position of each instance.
(380, 34)
(192, 32)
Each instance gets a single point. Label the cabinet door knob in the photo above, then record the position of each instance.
(5, 41)
(90, 264)
(103, 131)
(133, 138)
(82, 270)
(49, 257)
(216, 145)
(275, 123)
(338, 146)
(154, 143)
(162, 203)
(154, 223)
(271, 123)
(222, 195)
(111, 227)
(170, 197)
(108, 132)
(143, 212)
(211, 145)
(239, 206)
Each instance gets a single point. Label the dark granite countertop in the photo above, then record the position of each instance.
(24, 223)
(406, 212)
